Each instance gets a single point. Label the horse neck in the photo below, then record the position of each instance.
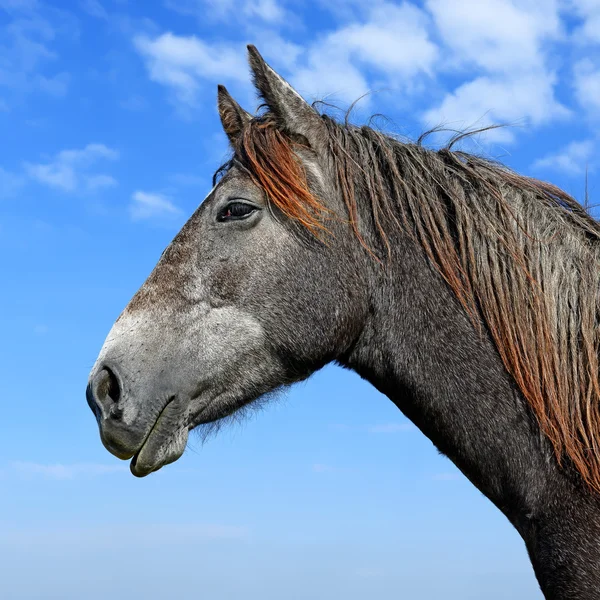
(420, 349)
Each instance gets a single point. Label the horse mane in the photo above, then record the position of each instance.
(521, 255)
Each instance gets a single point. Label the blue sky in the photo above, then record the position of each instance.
(110, 137)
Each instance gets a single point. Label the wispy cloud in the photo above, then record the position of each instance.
(182, 63)
(586, 82)
(64, 471)
(495, 50)
(96, 182)
(95, 9)
(525, 100)
(27, 42)
(497, 36)
(150, 205)
(56, 85)
(572, 159)
(392, 42)
(269, 11)
(69, 171)
(500, 46)
(589, 11)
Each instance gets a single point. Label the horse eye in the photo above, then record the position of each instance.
(236, 210)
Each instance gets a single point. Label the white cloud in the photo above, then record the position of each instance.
(57, 85)
(523, 100)
(269, 11)
(69, 171)
(587, 85)
(53, 175)
(330, 76)
(95, 9)
(393, 42)
(498, 48)
(209, 9)
(496, 35)
(96, 182)
(62, 471)
(277, 49)
(182, 62)
(18, 5)
(24, 47)
(589, 11)
(147, 205)
(26, 55)
(505, 42)
(572, 159)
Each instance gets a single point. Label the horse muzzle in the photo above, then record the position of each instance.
(152, 437)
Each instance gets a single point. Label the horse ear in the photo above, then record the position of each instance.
(233, 116)
(294, 114)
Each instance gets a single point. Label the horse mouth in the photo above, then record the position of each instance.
(164, 444)
(167, 439)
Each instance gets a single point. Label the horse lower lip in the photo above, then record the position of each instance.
(164, 443)
(133, 466)
(148, 468)
(167, 450)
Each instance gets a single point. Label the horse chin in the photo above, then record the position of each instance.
(152, 456)
(164, 444)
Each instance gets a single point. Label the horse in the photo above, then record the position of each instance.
(466, 293)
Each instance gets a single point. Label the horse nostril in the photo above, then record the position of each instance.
(106, 387)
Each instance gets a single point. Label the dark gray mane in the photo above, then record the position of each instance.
(500, 240)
